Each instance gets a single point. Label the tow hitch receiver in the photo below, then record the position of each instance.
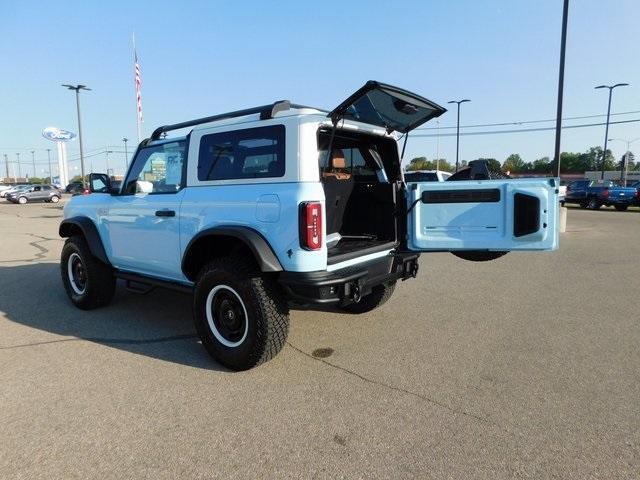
(408, 267)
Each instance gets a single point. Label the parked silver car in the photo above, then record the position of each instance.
(35, 193)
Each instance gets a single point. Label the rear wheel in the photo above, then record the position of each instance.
(593, 204)
(621, 208)
(89, 282)
(239, 314)
(55, 199)
(378, 297)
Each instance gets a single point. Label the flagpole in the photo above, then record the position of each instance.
(137, 89)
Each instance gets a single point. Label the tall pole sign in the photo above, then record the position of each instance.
(60, 137)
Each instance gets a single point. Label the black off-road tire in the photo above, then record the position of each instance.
(621, 208)
(593, 204)
(378, 297)
(478, 256)
(255, 297)
(99, 281)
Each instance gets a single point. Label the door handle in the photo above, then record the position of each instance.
(165, 213)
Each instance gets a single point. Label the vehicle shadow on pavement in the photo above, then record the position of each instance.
(158, 324)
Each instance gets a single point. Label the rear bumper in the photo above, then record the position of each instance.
(347, 285)
(618, 201)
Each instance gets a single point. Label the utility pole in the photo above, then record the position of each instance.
(625, 168)
(33, 160)
(77, 89)
(563, 47)
(50, 173)
(458, 128)
(19, 170)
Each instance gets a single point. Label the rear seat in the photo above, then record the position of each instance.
(338, 185)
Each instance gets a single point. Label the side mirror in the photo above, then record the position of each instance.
(99, 183)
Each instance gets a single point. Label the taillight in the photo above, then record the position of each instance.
(311, 225)
(605, 193)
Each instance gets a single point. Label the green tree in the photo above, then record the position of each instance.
(421, 163)
(541, 165)
(513, 163)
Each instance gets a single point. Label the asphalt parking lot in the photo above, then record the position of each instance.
(525, 367)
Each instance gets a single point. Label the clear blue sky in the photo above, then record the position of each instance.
(205, 57)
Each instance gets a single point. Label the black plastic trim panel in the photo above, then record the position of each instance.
(485, 195)
(90, 233)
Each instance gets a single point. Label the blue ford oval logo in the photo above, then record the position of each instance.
(56, 134)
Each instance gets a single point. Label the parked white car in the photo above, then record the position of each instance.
(12, 189)
(426, 176)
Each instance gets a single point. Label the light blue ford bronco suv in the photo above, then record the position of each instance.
(257, 211)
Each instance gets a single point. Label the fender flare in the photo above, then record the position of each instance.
(262, 251)
(90, 233)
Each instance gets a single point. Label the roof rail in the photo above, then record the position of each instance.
(266, 112)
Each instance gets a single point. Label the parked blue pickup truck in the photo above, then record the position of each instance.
(590, 194)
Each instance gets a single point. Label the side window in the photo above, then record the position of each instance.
(157, 169)
(36, 189)
(250, 153)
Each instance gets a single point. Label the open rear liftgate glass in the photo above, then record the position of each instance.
(494, 215)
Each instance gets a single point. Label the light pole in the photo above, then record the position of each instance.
(458, 128)
(625, 167)
(19, 171)
(107, 152)
(438, 146)
(6, 165)
(33, 160)
(77, 89)
(50, 173)
(606, 131)
(126, 155)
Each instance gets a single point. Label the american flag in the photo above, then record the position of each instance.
(138, 82)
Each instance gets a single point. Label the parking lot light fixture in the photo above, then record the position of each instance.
(458, 129)
(606, 131)
(77, 89)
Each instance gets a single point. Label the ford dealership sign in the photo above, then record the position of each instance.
(56, 134)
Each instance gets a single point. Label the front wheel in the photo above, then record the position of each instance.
(379, 296)
(89, 282)
(240, 315)
(22, 200)
(621, 208)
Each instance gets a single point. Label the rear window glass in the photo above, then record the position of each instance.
(250, 153)
(421, 177)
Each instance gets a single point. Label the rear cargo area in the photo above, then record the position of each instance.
(360, 201)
